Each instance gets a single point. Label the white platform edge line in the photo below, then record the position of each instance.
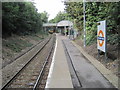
(51, 67)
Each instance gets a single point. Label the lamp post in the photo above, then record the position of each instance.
(84, 23)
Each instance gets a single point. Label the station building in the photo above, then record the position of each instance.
(65, 27)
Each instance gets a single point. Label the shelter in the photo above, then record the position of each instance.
(65, 27)
(64, 23)
(49, 26)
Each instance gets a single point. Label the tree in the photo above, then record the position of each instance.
(59, 17)
(20, 18)
(75, 12)
(44, 17)
(96, 11)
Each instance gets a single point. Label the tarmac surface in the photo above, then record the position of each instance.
(88, 75)
(71, 69)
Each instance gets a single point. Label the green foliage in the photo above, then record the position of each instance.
(16, 45)
(60, 16)
(113, 38)
(96, 11)
(75, 12)
(44, 17)
(20, 18)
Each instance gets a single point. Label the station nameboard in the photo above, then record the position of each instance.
(101, 36)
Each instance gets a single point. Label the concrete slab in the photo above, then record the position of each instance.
(89, 76)
(59, 75)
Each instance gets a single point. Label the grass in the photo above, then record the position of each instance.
(16, 45)
(38, 36)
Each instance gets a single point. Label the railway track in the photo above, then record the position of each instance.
(31, 74)
(11, 69)
(41, 81)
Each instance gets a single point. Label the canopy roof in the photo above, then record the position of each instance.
(59, 24)
(49, 24)
(65, 23)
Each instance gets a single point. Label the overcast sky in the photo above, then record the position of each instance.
(50, 6)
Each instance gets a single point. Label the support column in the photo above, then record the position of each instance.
(69, 31)
(65, 30)
(45, 29)
(56, 29)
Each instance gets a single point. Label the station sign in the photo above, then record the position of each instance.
(101, 36)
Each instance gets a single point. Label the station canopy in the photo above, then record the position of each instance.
(50, 25)
(64, 23)
(59, 24)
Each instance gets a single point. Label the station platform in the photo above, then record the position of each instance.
(59, 75)
(74, 70)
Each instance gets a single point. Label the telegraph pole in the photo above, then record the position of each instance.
(84, 23)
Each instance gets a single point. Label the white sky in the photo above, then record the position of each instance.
(52, 7)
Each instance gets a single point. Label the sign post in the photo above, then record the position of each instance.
(101, 37)
(84, 23)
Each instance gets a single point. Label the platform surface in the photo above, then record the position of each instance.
(88, 74)
(59, 75)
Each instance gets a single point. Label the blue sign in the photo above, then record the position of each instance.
(100, 38)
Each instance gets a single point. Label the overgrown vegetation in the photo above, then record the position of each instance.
(59, 17)
(96, 11)
(21, 28)
(44, 17)
(21, 18)
(16, 45)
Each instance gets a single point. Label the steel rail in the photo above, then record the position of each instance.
(12, 79)
(42, 71)
(72, 63)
